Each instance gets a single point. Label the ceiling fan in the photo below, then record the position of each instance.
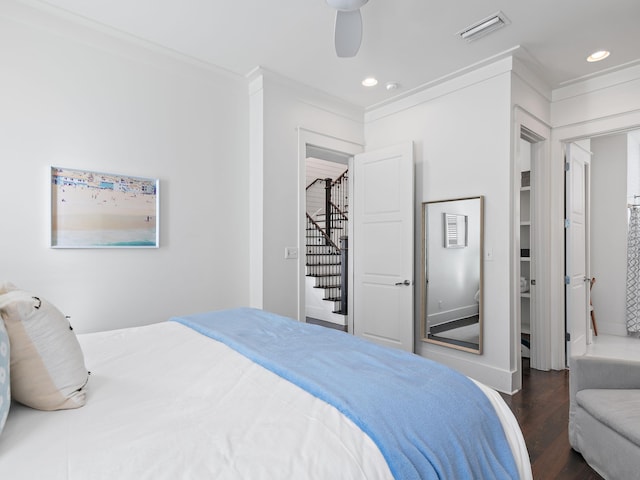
(348, 28)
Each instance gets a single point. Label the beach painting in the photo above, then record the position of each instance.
(103, 210)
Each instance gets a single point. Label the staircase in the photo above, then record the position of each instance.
(324, 264)
(326, 243)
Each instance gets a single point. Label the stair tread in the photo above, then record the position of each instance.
(327, 286)
(318, 275)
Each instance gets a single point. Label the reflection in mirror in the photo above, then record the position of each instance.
(452, 233)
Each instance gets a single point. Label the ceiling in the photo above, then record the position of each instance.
(412, 42)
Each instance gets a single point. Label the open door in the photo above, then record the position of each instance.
(383, 249)
(577, 272)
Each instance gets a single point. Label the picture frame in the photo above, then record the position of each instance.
(92, 209)
(455, 230)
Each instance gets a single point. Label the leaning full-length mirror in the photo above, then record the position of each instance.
(452, 232)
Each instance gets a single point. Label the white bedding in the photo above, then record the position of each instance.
(165, 402)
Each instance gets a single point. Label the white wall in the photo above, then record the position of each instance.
(609, 232)
(77, 96)
(599, 100)
(279, 109)
(461, 132)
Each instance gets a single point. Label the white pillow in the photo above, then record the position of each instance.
(5, 385)
(7, 287)
(47, 364)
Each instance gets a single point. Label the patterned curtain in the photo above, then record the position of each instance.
(633, 274)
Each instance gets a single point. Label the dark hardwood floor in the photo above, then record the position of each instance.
(542, 410)
(315, 321)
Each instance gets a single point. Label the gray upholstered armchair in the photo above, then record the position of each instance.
(604, 414)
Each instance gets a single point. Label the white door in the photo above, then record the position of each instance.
(382, 243)
(577, 272)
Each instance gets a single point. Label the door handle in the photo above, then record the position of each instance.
(406, 282)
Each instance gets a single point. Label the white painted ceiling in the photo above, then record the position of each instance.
(412, 42)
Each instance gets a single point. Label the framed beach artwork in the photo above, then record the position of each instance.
(103, 210)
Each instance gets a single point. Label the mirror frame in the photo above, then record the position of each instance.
(424, 291)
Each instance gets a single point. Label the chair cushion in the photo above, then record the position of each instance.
(617, 409)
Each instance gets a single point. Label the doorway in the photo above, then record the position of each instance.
(594, 131)
(532, 329)
(325, 249)
(319, 153)
(533, 341)
(382, 213)
(614, 188)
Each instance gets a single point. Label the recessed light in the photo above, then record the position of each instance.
(392, 86)
(369, 82)
(597, 56)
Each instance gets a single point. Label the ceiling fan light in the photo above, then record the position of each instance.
(597, 56)
(346, 5)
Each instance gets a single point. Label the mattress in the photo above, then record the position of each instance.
(166, 402)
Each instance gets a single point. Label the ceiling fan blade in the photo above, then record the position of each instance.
(348, 33)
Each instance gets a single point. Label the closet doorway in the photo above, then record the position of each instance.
(532, 340)
(532, 330)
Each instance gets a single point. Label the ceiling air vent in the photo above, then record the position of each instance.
(484, 26)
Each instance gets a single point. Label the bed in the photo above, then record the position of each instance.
(246, 394)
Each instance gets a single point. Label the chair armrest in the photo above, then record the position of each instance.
(588, 372)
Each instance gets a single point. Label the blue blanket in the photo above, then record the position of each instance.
(427, 420)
